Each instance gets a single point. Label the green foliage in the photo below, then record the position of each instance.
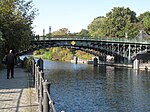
(121, 20)
(98, 27)
(1, 44)
(63, 31)
(36, 52)
(64, 54)
(41, 51)
(61, 54)
(116, 23)
(47, 55)
(16, 17)
(84, 33)
(28, 64)
(144, 20)
(83, 55)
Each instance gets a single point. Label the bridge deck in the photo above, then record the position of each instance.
(15, 94)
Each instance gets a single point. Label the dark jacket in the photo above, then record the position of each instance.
(10, 60)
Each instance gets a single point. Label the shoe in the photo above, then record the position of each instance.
(12, 77)
(7, 77)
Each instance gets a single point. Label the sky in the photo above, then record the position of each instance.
(78, 14)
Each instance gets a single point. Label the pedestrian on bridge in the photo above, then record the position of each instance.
(10, 62)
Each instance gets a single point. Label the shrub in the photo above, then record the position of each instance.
(27, 64)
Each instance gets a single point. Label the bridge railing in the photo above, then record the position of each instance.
(111, 39)
(42, 87)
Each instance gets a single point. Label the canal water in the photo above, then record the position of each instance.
(85, 88)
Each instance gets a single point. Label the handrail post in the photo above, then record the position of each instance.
(41, 90)
(33, 70)
(46, 87)
(33, 67)
(38, 82)
(35, 76)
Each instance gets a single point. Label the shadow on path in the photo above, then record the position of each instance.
(15, 94)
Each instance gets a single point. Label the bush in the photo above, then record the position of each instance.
(27, 64)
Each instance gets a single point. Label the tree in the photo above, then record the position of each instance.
(1, 44)
(97, 27)
(144, 20)
(116, 23)
(120, 21)
(16, 18)
(62, 32)
(84, 33)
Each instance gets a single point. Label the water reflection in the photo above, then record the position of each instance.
(84, 88)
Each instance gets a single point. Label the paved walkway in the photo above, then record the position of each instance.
(15, 94)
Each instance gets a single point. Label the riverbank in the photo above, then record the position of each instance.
(145, 66)
(117, 64)
(142, 66)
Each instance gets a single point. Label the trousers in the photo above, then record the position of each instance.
(12, 72)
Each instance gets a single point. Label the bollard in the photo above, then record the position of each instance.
(40, 64)
(46, 87)
(33, 67)
(41, 90)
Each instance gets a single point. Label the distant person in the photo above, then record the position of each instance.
(10, 62)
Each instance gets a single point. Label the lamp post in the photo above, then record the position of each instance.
(49, 36)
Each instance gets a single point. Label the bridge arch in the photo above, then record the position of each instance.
(124, 51)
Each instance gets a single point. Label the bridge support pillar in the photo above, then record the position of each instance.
(125, 60)
(136, 64)
(95, 62)
(117, 59)
(102, 58)
(76, 60)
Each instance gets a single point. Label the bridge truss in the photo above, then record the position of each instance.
(123, 51)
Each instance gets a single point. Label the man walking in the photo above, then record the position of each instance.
(10, 62)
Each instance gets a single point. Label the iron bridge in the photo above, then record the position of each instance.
(123, 50)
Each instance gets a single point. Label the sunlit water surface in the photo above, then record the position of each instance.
(84, 88)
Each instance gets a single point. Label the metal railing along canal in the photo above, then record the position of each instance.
(42, 87)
